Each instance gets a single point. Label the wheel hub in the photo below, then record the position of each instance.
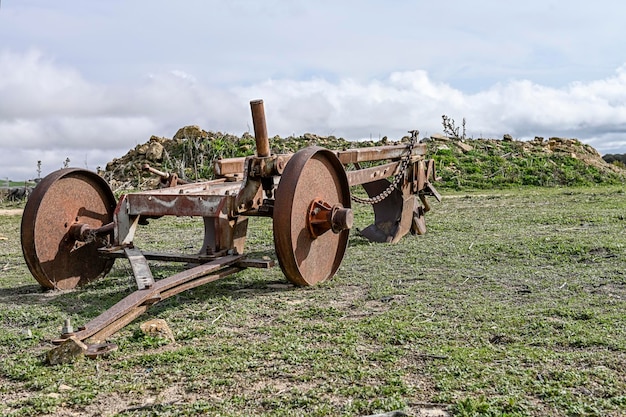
(324, 217)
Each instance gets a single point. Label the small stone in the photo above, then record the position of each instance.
(64, 387)
(69, 351)
(157, 327)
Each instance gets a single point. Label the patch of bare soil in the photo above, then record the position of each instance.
(11, 212)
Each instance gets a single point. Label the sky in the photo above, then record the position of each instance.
(90, 80)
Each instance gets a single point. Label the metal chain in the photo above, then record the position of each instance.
(403, 167)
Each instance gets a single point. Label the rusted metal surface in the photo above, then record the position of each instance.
(399, 207)
(366, 175)
(378, 153)
(252, 166)
(233, 166)
(390, 215)
(260, 128)
(178, 205)
(100, 349)
(86, 233)
(418, 225)
(323, 217)
(250, 195)
(424, 175)
(223, 234)
(207, 199)
(140, 267)
(116, 252)
(255, 263)
(61, 200)
(229, 166)
(311, 174)
(136, 303)
(103, 326)
(167, 179)
(214, 187)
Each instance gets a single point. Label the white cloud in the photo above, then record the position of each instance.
(51, 111)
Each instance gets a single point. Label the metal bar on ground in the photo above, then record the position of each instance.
(137, 311)
(152, 294)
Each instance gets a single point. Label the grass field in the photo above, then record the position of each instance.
(512, 304)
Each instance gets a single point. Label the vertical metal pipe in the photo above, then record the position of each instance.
(260, 129)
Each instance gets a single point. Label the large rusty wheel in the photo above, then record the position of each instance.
(61, 203)
(312, 216)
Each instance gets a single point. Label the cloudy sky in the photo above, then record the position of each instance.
(89, 80)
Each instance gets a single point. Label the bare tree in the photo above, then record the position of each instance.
(450, 129)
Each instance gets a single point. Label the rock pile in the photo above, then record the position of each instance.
(572, 148)
(191, 151)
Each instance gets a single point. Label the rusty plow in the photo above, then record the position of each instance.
(73, 228)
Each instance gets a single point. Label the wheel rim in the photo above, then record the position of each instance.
(66, 197)
(312, 173)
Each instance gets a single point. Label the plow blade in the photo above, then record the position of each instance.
(393, 216)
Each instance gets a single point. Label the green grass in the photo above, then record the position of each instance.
(11, 183)
(504, 164)
(513, 304)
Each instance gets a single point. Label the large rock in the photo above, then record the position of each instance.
(155, 151)
(464, 146)
(190, 132)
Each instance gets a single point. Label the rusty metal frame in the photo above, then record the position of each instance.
(132, 306)
(246, 188)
